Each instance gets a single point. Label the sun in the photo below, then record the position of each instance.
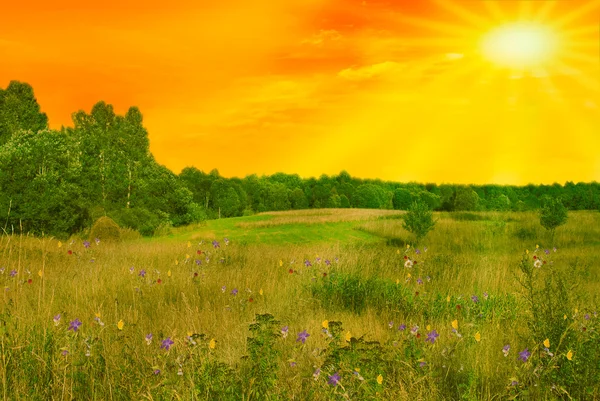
(520, 45)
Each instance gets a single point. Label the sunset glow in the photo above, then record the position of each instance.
(439, 91)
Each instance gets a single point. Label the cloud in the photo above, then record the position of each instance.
(324, 36)
(368, 72)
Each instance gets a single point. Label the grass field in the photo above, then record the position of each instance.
(308, 305)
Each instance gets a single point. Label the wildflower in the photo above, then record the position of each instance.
(547, 343)
(291, 271)
(86, 244)
(59, 244)
(380, 379)
(142, 273)
(234, 292)
(325, 324)
(422, 364)
(29, 281)
(223, 289)
(307, 263)
(56, 319)
(250, 299)
(97, 241)
(260, 292)
(70, 252)
(477, 337)
(195, 274)
(121, 324)
(425, 249)
(431, 336)
(317, 373)
(318, 260)
(159, 281)
(74, 325)
(348, 336)
(402, 327)
(485, 295)
(198, 262)
(547, 251)
(586, 316)
(64, 352)
(409, 263)
(226, 240)
(169, 273)
(212, 344)
(13, 273)
(514, 383)
(336, 260)
(538, 263)
(455, 324)
(390, 324)
(215, 244)
(284, 331)
(414, 330)
(131, 270)
(302, 336)
(327, 262)
(524, 355)
(417, 252)
(156, 371)
(506, 349)
(148, 338)
(334, 379)
(554, 249)
(570, 355)
(419, 281)
(167, 343)
(475, 298)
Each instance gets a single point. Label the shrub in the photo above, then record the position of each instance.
(419, 220)
(106, 230)
(552, 214)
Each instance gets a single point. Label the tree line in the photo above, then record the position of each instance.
(57, 182)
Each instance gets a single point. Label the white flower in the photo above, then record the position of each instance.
(408, 263)
(538, 263)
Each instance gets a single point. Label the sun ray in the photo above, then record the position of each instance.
(577, 76)
(525, 10)
(551, 89)
(494, 10)
(437, 26)
(451, 75)
(583, 57)
(584, 30)
(466, 15)
(544, 11)
(573, 15)
(586, 44)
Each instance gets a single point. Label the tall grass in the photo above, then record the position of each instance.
(364, 286)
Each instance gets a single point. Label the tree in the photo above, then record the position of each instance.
(418, 220)
(466, 199)
(552, 214)
(298, 199)
(19, 110)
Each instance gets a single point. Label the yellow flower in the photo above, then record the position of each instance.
(189, 244)
(547, 343)
(398, 251)
(527, 251)
(455, 324)
(120, 324)
(397, 281)
(325, 324)
(187, 256)
(408, 275)
(428, 327)
(537, 247)
(477, 337)
(59, 244)
(576, 310)
(407, 246)
(280, 263)
(212, 344)
(570, 355)
(169, 273)
(260, 291)
(176, 262)
(565, 317)
(189, 333)
(97, 315)
(348, 336)
(357, 369)
(380, 379)
(448, 298)
(40, 273)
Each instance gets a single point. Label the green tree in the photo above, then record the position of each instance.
(466, 199)
(298, 199)
(19, 110)
(344, 202)
(552, 215)
(418, 220)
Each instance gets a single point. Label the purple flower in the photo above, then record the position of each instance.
(131, 269)
(293, 364)
(431, 336)
(417, 252)
(156, 371)
(547, 251)
(307, 263)
(284, 331)
(318, 260)
(514, 383)
(166, 343)
(215, 244)
(414, 330)
(142, 273)
(64, 352)
(506, 349)
(485, 295)
(56, 319)
(74, 325)
(402, 327)
(327, 262)
(148, 338)
(336, 260)
(422, 364)
(419, 281)
(198, 262)
(223, 289)
(86, 244)
(425, 249)
(587, 316)
(13, 273)
(391, 324)
(555, 249)
(234, 292)
(475, 298)
(97, 241)
(226, 240)
(302, 336)
(334, 379)
(524, 355)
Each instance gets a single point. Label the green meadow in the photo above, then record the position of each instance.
(327, 304)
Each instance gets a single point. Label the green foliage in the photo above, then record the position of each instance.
(552, 214)
(105, 229)
(418, 220)
(466, 199)
(139, 219)
(19, 111)
(260, 371)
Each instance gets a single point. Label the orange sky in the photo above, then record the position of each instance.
(396, 90)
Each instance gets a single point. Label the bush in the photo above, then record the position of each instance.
(552, 215)
(418, 220)
(106, 230)
(139, 219)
